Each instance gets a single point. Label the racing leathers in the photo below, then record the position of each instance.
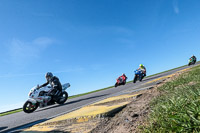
(143, 70)
(194, 58)
(124, 77)
(55, 85)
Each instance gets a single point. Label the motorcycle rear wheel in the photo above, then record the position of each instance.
(124, 83)
(63, 99)
(29, 107)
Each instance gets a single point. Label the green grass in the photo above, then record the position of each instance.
(178, 108)
(89, 92)
(10, 112)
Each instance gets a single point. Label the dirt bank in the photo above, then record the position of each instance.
(134, 115)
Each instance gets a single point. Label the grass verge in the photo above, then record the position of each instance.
(10, 112)
(178, 108)
(89, 92)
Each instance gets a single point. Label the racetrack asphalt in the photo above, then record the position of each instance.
(21, 120)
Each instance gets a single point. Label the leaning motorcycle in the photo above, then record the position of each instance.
(138, 75)
(120, 81)
(40, 98)
(191, 61)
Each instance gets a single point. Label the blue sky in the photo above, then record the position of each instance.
(89, 43)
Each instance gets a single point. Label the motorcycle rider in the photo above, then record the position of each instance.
(55, 85)
(143, 68)
(194, 58)
(123, 76)
(122, 79)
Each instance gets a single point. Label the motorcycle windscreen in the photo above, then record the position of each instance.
(65, 86)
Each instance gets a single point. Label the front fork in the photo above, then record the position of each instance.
(140, 77)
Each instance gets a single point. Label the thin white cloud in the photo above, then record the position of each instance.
(126, 41)
(42, 14)
(124, 30)
(20, 48)
(9, 75)
(43, 42)
(175, 6)
(21, 51)
(78, 69)
(97, 66)
(117, 30)
(129, 43)
(107, 29)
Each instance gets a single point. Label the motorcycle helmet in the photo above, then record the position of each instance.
(123, 74)
(49, 76)
(141, 65)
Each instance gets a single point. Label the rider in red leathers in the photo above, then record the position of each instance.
(123, 76)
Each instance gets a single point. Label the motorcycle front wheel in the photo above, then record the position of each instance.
(135, 79)
(116, 84)
(141, 77)
(29, 107)
(63, 98)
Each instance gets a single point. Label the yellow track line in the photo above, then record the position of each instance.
(168, 76)
(101, 108)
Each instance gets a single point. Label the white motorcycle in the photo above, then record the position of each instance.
(39, 98)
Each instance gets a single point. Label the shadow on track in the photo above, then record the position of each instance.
(70, 102)
(2, 128)
(19, 128)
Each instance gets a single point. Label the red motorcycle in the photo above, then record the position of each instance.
(121, 81)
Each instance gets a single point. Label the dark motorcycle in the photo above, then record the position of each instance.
(191, 61)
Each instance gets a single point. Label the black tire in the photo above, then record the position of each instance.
(135, 79)
(116, 84)
(63, 99)
(29, 107)
(141, 78)
(124, 82)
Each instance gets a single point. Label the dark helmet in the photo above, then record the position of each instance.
(49, 76)
(123, 74)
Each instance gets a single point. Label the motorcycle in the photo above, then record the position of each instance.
(120, 81)
(138, 75)
(191, 61)
(39, 98)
